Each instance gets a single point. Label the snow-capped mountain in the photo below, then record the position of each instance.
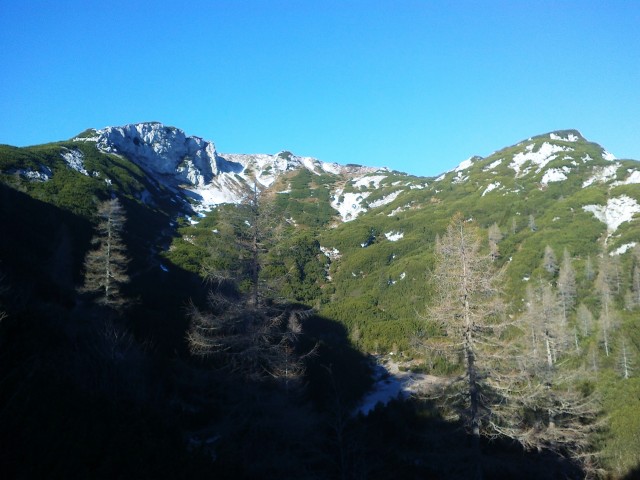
(194, 170)
(557, 159)
(193, 164)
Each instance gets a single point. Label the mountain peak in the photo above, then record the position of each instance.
(193, 165)
(563, 136)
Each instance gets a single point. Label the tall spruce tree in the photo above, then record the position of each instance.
(106, 265)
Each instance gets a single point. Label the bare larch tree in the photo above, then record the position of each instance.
(106, 265)
(467, 306)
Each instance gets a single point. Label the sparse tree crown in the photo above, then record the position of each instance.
(106, 265)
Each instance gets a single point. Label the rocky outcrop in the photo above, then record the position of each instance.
(165, 150)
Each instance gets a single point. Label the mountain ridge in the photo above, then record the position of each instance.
(358, 242)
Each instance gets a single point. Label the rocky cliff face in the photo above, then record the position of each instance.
(164, 150)
(207, 177)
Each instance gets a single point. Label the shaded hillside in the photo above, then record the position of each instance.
(244, 238)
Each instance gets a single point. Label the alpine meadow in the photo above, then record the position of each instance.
(170, 311)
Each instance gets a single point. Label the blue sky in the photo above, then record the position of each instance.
(414, 85)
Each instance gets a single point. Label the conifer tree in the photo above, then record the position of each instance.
(584, 319)
(468, 307)
(106, 265)
(543, 407)
(589, 272)
(625, 360)
(550, 263)
(248, 231)
(635, 284)
(566, 284)
(544, 324)
(608, 317)
(495, 235)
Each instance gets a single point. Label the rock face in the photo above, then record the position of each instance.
(164, 150)
(194, 167)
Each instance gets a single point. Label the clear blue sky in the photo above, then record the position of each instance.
(414, 85)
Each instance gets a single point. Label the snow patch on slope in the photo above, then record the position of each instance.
(617, 211)
(366, 181)
(490, 188)
(386, 199)
(331, 167)
(394, 236)
(602, 174)
(554, 175)
(492, 165)
(350, 206)
(569, 138)
(44, 174)
(634, 177)
(332, 253)
(545, 154)
(623, 248)
(464, 165)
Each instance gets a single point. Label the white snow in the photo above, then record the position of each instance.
(419, 186)
(545, 154)
(330, 167)
(310, 164)
(553, 175)
(225, 189)
(634, 177)
(385, 200)
(441, 177)
(403, 275)
(464, 165)
(391, 383)
(42, 175)
(602, 174)
(385, 389)
(75, 160)
(492, 165)
(490, 187)
(623, 248)
(608, 156)
(570, 138)
(351, 206)
(398, 210)
(332, 253)
(394, 236)
(367, 180)
(460, 178)
(617, 211)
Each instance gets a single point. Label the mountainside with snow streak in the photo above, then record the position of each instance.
(193, 164)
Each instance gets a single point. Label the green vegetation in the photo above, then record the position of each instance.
(367, 286)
